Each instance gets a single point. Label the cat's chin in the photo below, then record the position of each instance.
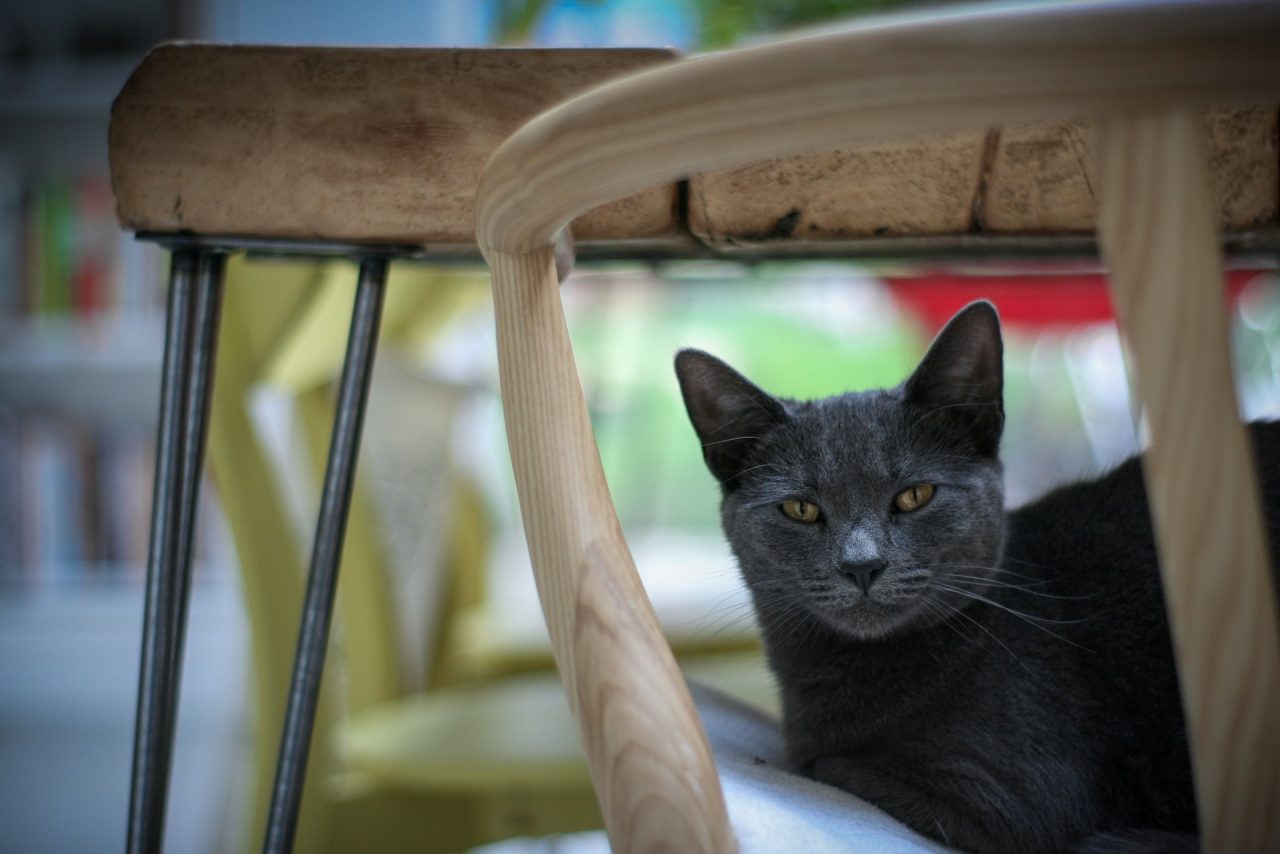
(866, 620)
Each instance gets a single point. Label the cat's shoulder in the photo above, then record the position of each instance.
(1110, 509)
(1125, 482)
(1266, 448)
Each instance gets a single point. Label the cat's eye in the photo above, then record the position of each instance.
(801, 511)
(913, 497)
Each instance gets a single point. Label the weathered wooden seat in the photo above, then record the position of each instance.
(364, 146)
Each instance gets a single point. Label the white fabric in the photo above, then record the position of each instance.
(774, 810)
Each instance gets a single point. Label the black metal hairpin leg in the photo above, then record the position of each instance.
(195, 433)
(335, 500)
(195, 283)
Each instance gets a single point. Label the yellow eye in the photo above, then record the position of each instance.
(913, 497)
(801, 511)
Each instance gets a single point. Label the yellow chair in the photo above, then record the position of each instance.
(389, 770)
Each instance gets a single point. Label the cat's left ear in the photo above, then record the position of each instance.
(961, 378)
(729, 413)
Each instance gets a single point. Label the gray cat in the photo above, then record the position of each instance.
(1001, 682)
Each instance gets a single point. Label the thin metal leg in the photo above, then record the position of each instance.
(149, 785)
(195, 432)
(335, 500)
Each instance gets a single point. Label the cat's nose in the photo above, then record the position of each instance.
(863, 572)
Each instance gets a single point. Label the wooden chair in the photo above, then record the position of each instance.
(1141, 70)
(374, 154)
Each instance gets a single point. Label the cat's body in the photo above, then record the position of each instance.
(952, 718)
(999, 682)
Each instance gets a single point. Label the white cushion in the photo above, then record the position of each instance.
(772, 809)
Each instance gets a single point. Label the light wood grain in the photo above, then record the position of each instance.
(344, 144)
(1158, 233)
(651, 766)
(1042, 177)
(896, 79)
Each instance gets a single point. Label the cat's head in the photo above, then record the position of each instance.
(861, 509)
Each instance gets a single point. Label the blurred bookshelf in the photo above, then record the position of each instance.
(57, 89)
(81, 308)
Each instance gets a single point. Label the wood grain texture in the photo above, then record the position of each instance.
(344, 144)
(904, 78)
(924, 186)
(1157, 229)
(1042, 178)
(650, 763)
(915, 76)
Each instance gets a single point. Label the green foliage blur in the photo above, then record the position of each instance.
(726, 22)
(722, 23)
(793, 339)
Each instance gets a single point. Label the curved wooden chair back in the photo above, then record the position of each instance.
(1140, 70)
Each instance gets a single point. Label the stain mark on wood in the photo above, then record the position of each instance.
(782, 228)
(977, 210)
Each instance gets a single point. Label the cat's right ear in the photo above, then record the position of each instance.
(961, 379)
(729, 413)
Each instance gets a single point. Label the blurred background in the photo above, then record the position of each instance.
(438, 601)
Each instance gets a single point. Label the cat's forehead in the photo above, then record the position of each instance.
(861, 432)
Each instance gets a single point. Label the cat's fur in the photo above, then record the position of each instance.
(1009, 686)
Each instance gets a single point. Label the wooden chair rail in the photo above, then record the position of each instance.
(1136, 67)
